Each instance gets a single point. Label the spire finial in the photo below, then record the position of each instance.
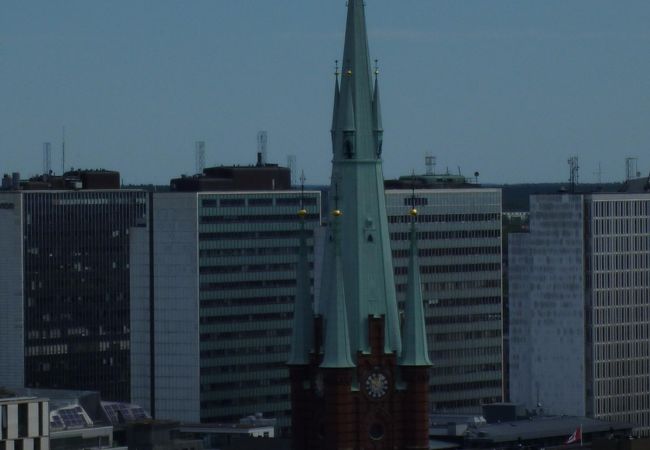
(337, 72)
(376, 68)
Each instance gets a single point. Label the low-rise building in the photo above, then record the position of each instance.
(24, 422)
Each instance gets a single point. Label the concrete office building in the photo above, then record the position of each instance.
(64, 282)
(223, 266)
(459, 241)
(580, 307)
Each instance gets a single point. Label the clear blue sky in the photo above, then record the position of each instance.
(508, 88)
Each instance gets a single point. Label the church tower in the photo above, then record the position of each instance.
(359, 373)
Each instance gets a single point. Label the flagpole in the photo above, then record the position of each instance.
(580, 435)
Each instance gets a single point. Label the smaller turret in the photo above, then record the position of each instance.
(414, 338)
(378, 127)
(337, 340)
(303, 315)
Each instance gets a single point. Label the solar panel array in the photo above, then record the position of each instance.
(121, 412)
(69, 418)
(56, 423)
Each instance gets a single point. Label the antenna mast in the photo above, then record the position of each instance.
(631, 164)
(200, 156)
(599, 174)
(262, 143)
(63, 152)
(574, 169)
(430, 162)
(47, 158)
(291, 165)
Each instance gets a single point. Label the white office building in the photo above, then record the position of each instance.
(580, 307)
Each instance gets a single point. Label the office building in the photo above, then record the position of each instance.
(459, 246)
(580, 307)
(213, 343)
(64, 282)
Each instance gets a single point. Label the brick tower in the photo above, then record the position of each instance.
(359, 374)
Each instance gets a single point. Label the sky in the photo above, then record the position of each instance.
(508, 88)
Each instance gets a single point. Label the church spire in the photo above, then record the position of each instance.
(366, 255)
(303, 315)
(337, 95)
(414, 338)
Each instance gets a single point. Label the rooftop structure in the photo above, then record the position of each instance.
(429, 181)
(72, 180)
(260, 177)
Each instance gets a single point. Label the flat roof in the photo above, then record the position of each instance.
(542, 427)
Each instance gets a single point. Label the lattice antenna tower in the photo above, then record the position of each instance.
(291, 165)
(47, 158)
(599, 173)
(430, 162)
(631, 168)
(63, 151)
(262, 146)
(574, 169)
(200, 156)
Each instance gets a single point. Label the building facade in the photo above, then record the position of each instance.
(24, 423)
(459, 246)
(64, 288)
(223, 267)
(580, 312)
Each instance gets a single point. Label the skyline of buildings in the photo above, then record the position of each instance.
(235, 294)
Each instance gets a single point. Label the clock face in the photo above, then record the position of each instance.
(376, 385)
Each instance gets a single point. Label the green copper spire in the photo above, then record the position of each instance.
(366, 258)
(378, 127)
(303, 314)
(337, 340)
(337, 94)
(414, 338)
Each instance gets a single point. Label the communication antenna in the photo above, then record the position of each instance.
(631, 164)
(47, 158)
(574, 169)
(200, 156)
(262, 144)
(63, 152)
(291, 164)
(599, 174)
(430, 162)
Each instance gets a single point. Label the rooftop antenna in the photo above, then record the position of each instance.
(631, 164)
(291, 164)
(262, 144)
(599, 174)
(574, 169)
(200, 156)
(63, 152)
(47, 158)
(430, 162)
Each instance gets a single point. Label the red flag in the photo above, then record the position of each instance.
(575, 437)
